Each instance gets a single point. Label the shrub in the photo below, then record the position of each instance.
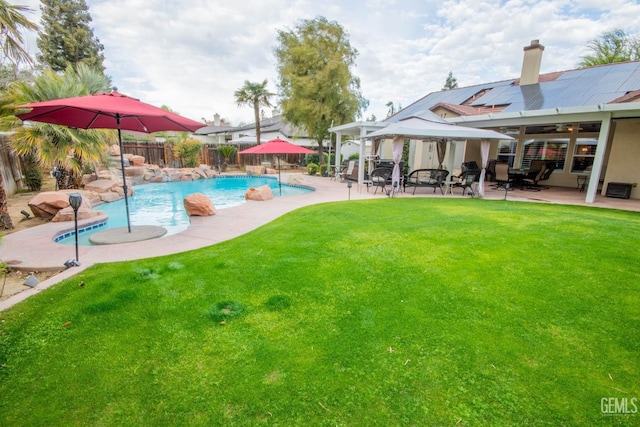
(312, 158)
(33, 179)
(312, 168)
(323, 170)
(227, 151)
(188, 150)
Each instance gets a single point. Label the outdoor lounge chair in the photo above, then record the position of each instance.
(345, 172)
(538, 168)
(380, 177)
(468, 178)
(502, 175)
(433, 178)
(551, 166)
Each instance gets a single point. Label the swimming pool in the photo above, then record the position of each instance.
(162, 204)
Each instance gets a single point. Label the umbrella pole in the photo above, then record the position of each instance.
(124, 177)
(279, 181)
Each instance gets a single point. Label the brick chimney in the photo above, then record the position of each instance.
(531, 63)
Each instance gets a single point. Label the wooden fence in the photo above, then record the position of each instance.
(158, 153)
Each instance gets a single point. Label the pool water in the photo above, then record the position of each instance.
(162, 204)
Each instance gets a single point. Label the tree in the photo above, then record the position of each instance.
(66, 37)
(72, 151)
(316, 85)
(451, 83)
(392, 109)
(12, 23)
(611, 47)
(255, 95)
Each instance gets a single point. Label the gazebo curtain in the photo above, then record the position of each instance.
(484, 152)
(441, 147)
(398, 143)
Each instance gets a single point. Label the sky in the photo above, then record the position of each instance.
(191, 55)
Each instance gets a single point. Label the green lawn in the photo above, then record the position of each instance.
(408, 311)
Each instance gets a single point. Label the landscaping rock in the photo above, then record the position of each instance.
(67, 214)
(101, 185)
(48, 203)
(198, 204)
(259, 194)
(136, 160)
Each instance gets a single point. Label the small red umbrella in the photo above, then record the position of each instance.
(277, 146)
(108, 111)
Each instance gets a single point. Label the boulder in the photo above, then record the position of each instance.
(259, 194)
(110, 196)
(135, 171)
(136, 160)
(101, 185)
(87, 178)
(67, 214)
(47, 204)
(200, 172)
(254, 170)
(198, 204)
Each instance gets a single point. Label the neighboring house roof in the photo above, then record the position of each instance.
(267, 125)
(604, 84)
(211, 129)
(274, 124)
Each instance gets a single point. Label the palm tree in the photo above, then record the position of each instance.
(12, 23)
(69, 150)
(256, 95)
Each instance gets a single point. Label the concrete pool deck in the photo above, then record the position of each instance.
(33, 249)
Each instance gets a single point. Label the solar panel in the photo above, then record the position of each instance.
(588, 86)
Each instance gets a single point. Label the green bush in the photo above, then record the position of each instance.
(33, 179)
(312, 158)
(188, 150)
(323, 170)
(312, 168)
(227, 151)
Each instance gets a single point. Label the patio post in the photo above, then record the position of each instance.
(598, 160)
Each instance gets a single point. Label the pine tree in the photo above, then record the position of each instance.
(66, 37)
(451, 83)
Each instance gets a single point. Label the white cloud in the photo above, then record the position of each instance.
(192, 55)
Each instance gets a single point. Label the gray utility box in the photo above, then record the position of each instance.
(619, 190)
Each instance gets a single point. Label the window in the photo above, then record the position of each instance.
(583, 154)
(507, 151)
(545, 149)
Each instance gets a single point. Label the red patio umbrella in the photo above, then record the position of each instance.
(277, 146)
(108, 111)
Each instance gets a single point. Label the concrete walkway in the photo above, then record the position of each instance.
(34, 249)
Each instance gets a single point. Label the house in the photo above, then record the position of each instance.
(586, 120)
(270, 128)
(214, 133)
